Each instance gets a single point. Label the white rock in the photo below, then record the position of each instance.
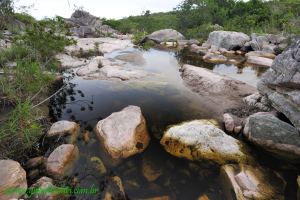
(13, 182)
(60, 161)
(261, 61)
(123, 133)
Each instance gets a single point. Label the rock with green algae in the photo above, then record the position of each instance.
(203, 140)
(98, 165)
(245, 182)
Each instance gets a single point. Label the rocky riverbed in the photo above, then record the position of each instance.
(135, 124)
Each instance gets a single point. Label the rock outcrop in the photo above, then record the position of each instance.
(202, 140)
(85, 25)
(123, 134)
(243, 182)
(165, 35)
(273, 135)
(281, 84)
(226, 39)
(13, 182)
(61, 160)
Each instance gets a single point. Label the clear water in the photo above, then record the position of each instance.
(164, 100)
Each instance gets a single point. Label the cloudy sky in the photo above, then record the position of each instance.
(100, 8)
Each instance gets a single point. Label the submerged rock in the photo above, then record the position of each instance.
(281, 84)
(227, 40)
(214, 58)
(243, 182)
(273, 135)
(261, 61)
(158, 198)
(136, 58)
(150, 170)
(164, 35)
(123, 134)
(60, 161)
(13, 182)
(114, 189)
(35, 162)
(202, 140)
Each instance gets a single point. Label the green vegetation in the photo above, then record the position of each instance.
(197, 18)
(26, 84)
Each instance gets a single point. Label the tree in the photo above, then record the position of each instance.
(6, 12)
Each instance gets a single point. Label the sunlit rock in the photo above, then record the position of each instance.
(123, 134)
(165, 35)
(244, 182)
(13, 182)
(261, 54)
(202, 140)
(261, 61)
(61, 160)
(68, 61)
(64, 127)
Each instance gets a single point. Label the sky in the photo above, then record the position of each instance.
(101, 8)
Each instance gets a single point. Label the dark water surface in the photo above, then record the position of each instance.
(164, 101)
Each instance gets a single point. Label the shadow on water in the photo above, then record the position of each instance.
(164, 101)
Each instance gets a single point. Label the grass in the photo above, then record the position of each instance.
(20, 131)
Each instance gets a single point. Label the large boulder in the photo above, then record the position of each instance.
(273, 135)
(244, 182)
(164, 35)
(83, 24)
(222, 90)
(228, 40)
(13, 182)
(61, 160)
(202, 140)
(123, 134)
(281, 84)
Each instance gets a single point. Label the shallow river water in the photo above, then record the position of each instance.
(164, 100)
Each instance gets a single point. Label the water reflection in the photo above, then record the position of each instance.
(164, 100)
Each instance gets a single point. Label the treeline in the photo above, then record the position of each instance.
(196, 18)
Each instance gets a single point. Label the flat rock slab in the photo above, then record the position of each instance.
(123, 134)
(12, 176)
(60, 161)
(260, 61)
(135, 58)
(104, 45)
(273, 135)
(222, 90)
(202, 140)
(244, 182)
(68, 61)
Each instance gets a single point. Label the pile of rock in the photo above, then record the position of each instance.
(85, 25)
(222, 44)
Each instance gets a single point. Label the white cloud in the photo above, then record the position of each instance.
(101, 8)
